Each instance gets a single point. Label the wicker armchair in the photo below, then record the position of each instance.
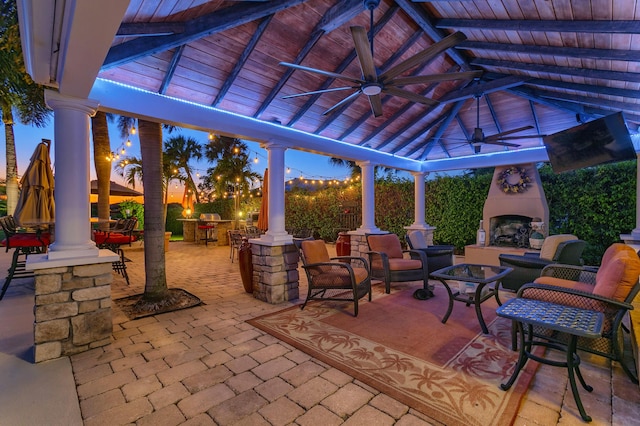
(388, 263)
(609, 289)
(338, 278)
(564, 248)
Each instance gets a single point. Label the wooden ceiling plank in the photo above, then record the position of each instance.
(203, 26)
(343, 65)
(584, 26)
(412, 138)
(338, 15)
(552, 69)
(240, 63)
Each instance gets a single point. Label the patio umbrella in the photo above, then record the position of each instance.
(263, 217)
(35, 204)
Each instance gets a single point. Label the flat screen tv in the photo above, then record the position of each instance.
(604, 140)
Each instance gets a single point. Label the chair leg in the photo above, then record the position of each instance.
(17, 269)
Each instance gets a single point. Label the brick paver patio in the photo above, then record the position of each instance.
(206, 366)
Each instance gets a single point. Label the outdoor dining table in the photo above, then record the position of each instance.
(477, 280)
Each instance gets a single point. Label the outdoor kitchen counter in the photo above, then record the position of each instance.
(488, 255)
(190, 230)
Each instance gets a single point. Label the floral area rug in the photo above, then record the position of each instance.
(450, 372)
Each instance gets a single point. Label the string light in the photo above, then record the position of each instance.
(133, 130)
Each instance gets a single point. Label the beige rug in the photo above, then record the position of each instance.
(450, 372)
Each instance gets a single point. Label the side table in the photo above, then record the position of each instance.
(575, 322)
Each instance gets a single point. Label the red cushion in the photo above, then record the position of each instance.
(113, 238)
(28, 240)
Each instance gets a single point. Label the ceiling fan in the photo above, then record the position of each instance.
(479, 138)
(372, 84)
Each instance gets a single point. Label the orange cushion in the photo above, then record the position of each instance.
(560, 282)
(404, 264)
(614, 249)
(386, 243)
(338, 277)
(315, 251)
(616, 278)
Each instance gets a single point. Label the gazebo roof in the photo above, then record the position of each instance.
(215, 66)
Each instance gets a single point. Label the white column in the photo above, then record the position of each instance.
(636, 232)
(72, 179)
(368, 199)
(276, 234)
(418, 196)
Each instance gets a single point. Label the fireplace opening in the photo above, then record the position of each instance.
(510, 231)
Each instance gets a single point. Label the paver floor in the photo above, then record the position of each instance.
(206, 366)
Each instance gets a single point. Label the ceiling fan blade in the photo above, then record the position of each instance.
(413, 97)
(322, 72)
(342, 102)
(500, 143)
(315, 92)
(508, 132)
(508, 138)
(363, 51)
(376, 105)
(426, 55)
(419, 79)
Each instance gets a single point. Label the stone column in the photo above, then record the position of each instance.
(72, 179)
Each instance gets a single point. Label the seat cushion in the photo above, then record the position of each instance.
(404, 264)
(560, 282)
(339, 278)
(115, 238)
(616, 278)
(550, 244)
(28, 240)
(386, 243)
(315, 251)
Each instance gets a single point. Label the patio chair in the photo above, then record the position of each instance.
(609, 289)
(114, 240)
(24, 244)
(343, 278)
(388, 263)
(438, 256)
(235, 241)
(563, 248)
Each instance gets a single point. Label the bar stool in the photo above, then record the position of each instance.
(24, 244)
(208, 232)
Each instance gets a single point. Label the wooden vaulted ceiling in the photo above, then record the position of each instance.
(546, 64)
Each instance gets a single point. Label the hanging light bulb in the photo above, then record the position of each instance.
(133, 130)
(122, 151)
(198, 174)
(211, 136)
(288, 170)
(255, 160)
(128, 143)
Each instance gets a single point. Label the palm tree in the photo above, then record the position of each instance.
(181, 150)
(101, 153)
(232, 166)
(18, 93)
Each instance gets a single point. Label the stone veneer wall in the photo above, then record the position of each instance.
(359, 246)
(275, 273)
(72, 310)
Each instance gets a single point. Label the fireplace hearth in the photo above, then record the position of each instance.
(510, 231)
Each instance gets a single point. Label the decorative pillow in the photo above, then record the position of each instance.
(417, 239)
(386, 243)
(315, 251)
(616, 278)
(550, 244)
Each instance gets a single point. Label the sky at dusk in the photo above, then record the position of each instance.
(310, 166)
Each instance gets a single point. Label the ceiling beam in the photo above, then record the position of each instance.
(563, 26)
(574, 52)
(585, 100)
(587, 88)
(255, 38)
(483, 88)
(493, 113)
(336, 16)
(149, 29)
(450, 115)
(411, 139)
(426, 22)
(177, 54)
(206, 25)
(554, 69)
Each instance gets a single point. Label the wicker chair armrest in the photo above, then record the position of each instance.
(530, 262)
(362, 260)
(572, 296)
(383, 256)
(418, 255)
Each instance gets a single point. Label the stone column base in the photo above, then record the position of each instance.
(275, 272)
(72, 310)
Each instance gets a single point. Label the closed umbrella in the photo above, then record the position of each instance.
(35, 204)
(263, 217)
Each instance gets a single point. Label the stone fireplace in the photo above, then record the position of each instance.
(511, 206)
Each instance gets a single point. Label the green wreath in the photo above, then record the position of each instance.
(513, 188)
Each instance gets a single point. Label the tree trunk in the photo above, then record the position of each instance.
(12, 162)
(102, 150)
(155, 287)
